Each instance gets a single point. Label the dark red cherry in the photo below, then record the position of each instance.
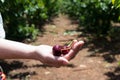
(65, 50)
(57, 50)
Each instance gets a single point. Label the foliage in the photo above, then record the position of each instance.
(26, 13)
(24, 32)
(116, 3)
(94, 15)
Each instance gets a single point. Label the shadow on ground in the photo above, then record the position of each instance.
(7, 67)
(114, 75)
(108, 49)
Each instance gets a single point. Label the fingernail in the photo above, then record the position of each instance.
(81, 42)
(74, 40)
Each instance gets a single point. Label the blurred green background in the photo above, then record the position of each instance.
(23, 19)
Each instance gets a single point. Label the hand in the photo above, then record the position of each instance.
(45, 54)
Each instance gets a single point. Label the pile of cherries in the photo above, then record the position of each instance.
(60, 50)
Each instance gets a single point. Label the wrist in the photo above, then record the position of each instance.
(34, 53)
(31, 54)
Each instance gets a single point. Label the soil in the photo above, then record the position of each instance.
(83, 67)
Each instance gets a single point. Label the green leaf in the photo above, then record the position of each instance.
(116, 3)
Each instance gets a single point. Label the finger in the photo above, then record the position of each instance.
(61, 61)
(72, 44)
(75, 48)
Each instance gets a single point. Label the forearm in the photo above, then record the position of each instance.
(15, 50)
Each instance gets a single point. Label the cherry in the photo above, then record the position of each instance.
(59, 50)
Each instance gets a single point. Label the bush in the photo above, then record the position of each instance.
(28, 33)
(25, 13)
(116, 3)
(94, 15)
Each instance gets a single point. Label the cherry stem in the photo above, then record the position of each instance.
(68, 47)
(71, 44)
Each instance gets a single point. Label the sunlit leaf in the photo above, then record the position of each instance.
(116, 3)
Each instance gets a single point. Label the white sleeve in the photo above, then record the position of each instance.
(2, 32)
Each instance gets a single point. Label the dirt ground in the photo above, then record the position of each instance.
(82, 67)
